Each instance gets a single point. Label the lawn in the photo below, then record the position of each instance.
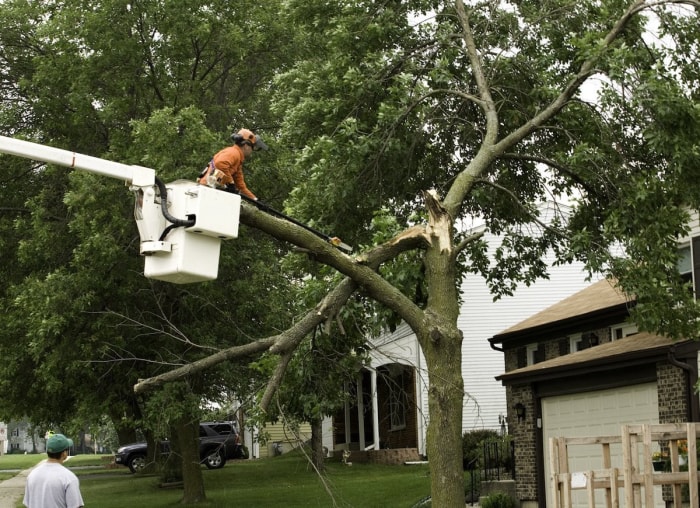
(280, 481)
(11, 464)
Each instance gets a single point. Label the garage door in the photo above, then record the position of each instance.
(598, 413)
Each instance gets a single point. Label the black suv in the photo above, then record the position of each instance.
(218, 442)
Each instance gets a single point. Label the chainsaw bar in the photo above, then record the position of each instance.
(333, 240)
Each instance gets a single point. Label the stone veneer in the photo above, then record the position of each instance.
(388, 456)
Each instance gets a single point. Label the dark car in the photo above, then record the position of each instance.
(218, 442)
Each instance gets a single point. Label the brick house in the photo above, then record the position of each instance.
(579, 368)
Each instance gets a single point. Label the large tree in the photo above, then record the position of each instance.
(397, 122)
(413, 117)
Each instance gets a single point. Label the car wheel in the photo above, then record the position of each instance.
(216, 460)
(137, 463)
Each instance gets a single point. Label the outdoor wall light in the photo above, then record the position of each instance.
(520, 411)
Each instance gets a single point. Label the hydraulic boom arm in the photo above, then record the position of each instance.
(185, 250)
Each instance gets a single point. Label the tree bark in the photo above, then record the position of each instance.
(441, 342)
(317, 453)
(187, 434)
(171, 466)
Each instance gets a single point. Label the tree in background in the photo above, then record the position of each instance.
(123, 81)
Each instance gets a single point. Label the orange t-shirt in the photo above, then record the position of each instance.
(230, 162)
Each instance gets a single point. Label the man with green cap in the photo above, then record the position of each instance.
(50, 484)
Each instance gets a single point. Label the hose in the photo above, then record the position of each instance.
(176, 223)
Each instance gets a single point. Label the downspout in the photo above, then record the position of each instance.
(691, 381)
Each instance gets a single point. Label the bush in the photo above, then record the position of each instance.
(473, 447)
(498, 500)
(473, 444)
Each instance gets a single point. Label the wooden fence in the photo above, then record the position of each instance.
(636, 477)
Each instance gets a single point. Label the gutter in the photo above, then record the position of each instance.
(690, 380)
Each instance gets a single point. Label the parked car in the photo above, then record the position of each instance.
(218, 442)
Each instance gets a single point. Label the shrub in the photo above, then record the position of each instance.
(498, 500)
(472, 445)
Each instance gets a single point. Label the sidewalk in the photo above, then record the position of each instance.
(12, 490)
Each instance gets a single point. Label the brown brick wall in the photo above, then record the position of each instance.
(672, 393)
(524, 434)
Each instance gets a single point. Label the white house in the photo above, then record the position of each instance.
(485, 398)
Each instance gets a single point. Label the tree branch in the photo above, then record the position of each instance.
(276, 380)
(331, 304)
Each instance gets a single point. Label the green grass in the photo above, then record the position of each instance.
(281, 481)
(11, 464)
(20, 461)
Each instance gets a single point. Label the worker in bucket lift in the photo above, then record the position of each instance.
(226, 167)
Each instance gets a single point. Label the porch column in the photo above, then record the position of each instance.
(360, 412)
(375, 410)
(348, 435)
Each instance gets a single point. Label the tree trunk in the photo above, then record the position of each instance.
(441, 342)
(317, 453)
(154, 452)
(187, 433)
(171, 466)
(444, 437)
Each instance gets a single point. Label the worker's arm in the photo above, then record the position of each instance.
(239, 181)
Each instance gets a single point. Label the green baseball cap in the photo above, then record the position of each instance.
(57, 443)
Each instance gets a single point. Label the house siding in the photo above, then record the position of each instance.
(289, 438)
(480, 318)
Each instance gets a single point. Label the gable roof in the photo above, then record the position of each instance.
(596, 298)
(640, 348)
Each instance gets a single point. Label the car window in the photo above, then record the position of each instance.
(222, 428)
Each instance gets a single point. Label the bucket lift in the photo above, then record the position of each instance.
(181, 224)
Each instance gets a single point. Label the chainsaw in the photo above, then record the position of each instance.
(333, 240)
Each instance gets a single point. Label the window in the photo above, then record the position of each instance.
(685, 263)
(581, 341)
(397, 400)
(535, 354)
(576, 343)
(689, 263)
(618, 332)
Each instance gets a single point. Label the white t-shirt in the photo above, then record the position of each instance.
(50, 485)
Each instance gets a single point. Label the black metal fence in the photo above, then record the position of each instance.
(499, 457)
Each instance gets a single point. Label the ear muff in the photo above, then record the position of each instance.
(236, 138)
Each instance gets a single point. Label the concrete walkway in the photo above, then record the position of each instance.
(12, 490)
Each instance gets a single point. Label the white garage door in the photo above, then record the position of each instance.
(599, 413)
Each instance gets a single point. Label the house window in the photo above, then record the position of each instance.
(689, 263)
(685, 263)
(576, 343)
(618, 332)
(535, 354)
(581, 341)
(397, 400)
